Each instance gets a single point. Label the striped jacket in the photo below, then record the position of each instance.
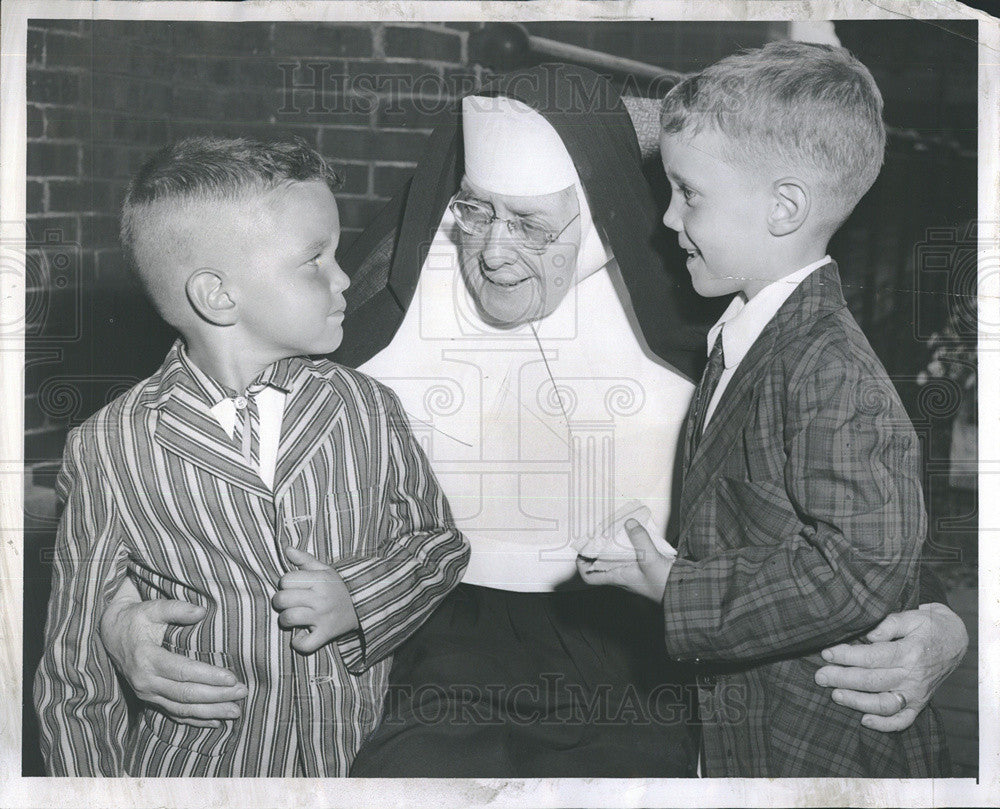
(801, 522)
(156, 490)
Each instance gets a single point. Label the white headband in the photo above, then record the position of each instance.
(512, 149)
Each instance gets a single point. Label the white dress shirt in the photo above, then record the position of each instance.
(270, 408)
(745, 320)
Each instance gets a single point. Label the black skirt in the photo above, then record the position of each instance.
(533, 685)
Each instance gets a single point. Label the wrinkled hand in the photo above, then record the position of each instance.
(313, 598)
(189, 691)
(646, 574)
(910, 653)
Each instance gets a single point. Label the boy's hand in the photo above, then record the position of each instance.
(314, 598)
(645, 575)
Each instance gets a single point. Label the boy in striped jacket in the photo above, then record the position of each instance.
(283, 494)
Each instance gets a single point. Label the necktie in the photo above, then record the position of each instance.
(703, 396)
(247, 432)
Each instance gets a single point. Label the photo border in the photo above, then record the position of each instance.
(16, 792)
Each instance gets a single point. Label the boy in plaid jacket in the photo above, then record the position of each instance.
(801, 513)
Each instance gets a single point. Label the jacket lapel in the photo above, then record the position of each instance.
(725, 427)
(313, 410)
(186, 427)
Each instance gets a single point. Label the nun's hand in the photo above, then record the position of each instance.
(644, 573)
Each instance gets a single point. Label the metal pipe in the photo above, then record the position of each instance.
(508, 46)
(562, 51)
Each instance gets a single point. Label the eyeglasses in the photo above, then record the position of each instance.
(476, 217)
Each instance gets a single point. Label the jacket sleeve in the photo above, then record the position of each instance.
(831, 549)
(421, 555)
(81, 707)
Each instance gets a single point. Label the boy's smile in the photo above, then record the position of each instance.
(719, 213)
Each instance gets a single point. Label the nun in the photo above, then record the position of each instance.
(520, 351)
(543, 347)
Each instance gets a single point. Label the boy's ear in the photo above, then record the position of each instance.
(789, 206)
(206, 291)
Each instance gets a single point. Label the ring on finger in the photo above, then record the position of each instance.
(902, 700)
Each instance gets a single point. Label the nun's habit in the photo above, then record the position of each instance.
(545, 437)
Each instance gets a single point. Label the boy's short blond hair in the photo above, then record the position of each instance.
(201, 170)
(794, 104)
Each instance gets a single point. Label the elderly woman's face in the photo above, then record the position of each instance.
(522, 272)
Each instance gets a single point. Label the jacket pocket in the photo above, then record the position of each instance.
(208, 742)
(351, 522)
(204, 655)
(152, 584)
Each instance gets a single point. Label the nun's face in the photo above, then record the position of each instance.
(512, 280)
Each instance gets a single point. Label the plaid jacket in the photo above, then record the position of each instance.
(156, 490)
(801, 523)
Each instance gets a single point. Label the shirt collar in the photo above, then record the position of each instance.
(280, 375)
(745, 320)
(208, 387)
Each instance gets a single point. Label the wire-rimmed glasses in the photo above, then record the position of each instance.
(476, 217)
